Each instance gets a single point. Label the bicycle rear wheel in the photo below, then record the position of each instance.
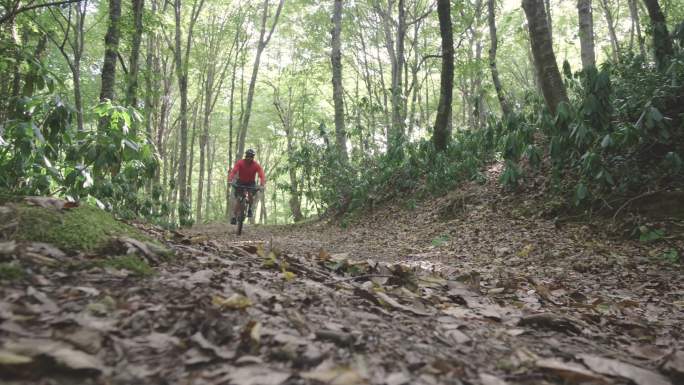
(240, 221)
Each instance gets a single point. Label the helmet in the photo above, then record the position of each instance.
(250, 153)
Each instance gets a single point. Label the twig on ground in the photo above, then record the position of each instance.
(632, 200)
(360, 277)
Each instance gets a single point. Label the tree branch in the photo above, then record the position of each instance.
(13, 14)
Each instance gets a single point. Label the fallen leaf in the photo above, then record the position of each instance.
(335, 376)
(386, 299)
(63, 355)
(570, 371)
(234, 302)
(220, 352)
(8, 358)
(255, 375)
(397, 378)
(458, 336)
(675, 365)
(550, 321)
(616, 368)
(488, 379)
(50, 203)
(7, 248)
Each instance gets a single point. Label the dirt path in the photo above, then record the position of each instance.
(459, 290)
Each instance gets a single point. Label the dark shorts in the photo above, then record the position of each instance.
(243, 186)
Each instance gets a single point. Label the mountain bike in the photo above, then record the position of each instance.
(243, 202)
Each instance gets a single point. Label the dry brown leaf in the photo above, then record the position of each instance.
(220, 352)
(386, 299)
(254, 375)
(488, 379)
(616, 368)
(569, 371)
(335, 376)
(675, 365)
(234, 302)
(63, 355)
(50, 203)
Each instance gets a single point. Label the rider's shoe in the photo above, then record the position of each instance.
(233, 221)
(249, 213)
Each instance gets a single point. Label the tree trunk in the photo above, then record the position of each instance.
(338, 92)
(440, 136)
(611, 30)
(208, 97)
(211, 156)
(111, 52)
(230, 135)
(181, 73)
(491, 17)
(636, 23)
(662, 41)
(184, 206)
(586, 33)
(261, 45)
(636, 26)
(132, 89)
(544, 59)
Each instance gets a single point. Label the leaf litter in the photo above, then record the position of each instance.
(499, 299)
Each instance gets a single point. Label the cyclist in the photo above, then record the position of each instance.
(246, 169)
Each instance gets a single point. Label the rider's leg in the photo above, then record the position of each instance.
(250, 198)
(236, 207)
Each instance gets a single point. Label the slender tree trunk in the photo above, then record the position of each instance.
(111, 52)
(181, 73)
(634, 14)
(544, 59)
(440, 136)
(338, 92)
(586, 33)
(132, 89)
(662, 41)
(184, 207)
(208, 97)
(230, 136)
(611, 29)
(491, 17)
(261, 45)
(211, 156)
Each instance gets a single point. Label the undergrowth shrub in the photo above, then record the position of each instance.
(42, 152)
(620, 133)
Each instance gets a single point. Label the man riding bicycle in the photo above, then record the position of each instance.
(246, 169)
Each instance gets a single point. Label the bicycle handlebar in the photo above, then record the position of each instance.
(246, 187)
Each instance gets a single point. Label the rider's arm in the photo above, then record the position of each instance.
(234, 171)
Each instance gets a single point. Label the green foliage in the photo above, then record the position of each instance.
(671, 255)
(421, 171)
(11, 271)
(43, 153)
(612, 138)
(648, 234)
(440, 240)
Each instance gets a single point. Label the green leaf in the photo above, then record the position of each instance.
(607, 141)
(581, 193)
(649, 235)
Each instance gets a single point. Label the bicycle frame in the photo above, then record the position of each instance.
(243, 200)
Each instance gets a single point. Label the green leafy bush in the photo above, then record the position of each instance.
(43, 153)
(620, 133)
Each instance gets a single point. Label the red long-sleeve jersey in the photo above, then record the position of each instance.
(247, 171)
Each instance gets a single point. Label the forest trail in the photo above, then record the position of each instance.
(470, 288)
(476, 284)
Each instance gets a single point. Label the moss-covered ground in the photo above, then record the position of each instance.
(83, 228)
